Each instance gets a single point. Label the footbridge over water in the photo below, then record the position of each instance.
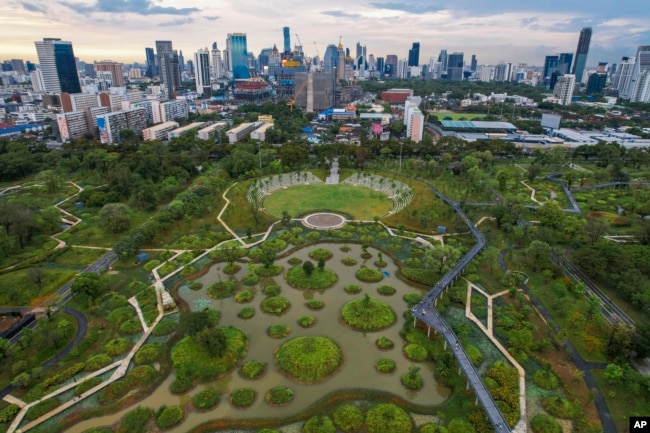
(427, 313)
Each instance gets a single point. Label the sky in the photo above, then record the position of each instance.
(516, 31)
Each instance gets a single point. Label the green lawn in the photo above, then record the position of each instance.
(300, 199)
(457, 116)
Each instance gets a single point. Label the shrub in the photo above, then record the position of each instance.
(385, 365)
(386, 290)
(141, 375)
(278, 331)
(272, 290)
(306, 321)
(242, 397)
(384, 343)
(412, 299)
(148, 354)
(543, 423)
(367, 314)
(309, 359)
(316, 279)
(170, 417)
(185, 257)
(474, 354)
(206, 399)
(558, 407)
(319, 424)
(295, 261)
(195, 285)
(246, 313)
(221, 289)
(165, 327)
(320, 254)
(87, 384)
(349, 261)
(416, 352)
(135, 421)
(151, 264)
(315, 304)
(117, 346)
(369, 275)
(231, 269)
(388, 418)
(279, 395)
(252, 369)
(251, 280)
(313, 236)
(9, 413)
(426, 277)
(98, 361)
(413, 262)
(348, 418)
(244, 297)
(131, 327)
(433, 428)
(116, 301)
(412, 379)
(546, 379)
(120, 315)
(40, 409)
(352, 289)
(277, 305)
(181, 385)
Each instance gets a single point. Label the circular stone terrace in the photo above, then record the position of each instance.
(324, 221)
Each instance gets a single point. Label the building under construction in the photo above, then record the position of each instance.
(252, 90)
(315, 91)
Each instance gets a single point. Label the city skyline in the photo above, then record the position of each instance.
(507, 31)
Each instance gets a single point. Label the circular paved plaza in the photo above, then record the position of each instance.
(324, 221)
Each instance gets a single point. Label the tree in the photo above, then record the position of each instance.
(36, 275)
(533, 171)
(613, 373)
(286, 218)
(88, 284)
(321, 264)
(4, 347)
(214, 340)
(551, 214)
(595, 228)
(115, 217)
(63, 330)
(641, 340)
(537, 254)
(308, 267)
(441, 258)
(200, 320)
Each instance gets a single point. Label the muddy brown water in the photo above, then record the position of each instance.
(359, 350)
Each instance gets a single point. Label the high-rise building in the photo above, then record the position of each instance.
(391, 65)
(443, 58)
(236, 45)
(581, 53)
(550, 65)
(564, 88)
(181, 61)
(474, 63)
(216, 63)
(114, 68)
(170, 71)
(78, 101)
(18, 65)
(58, 66)
(380, 66)
(641, 65)
(331, 58)
(455, 66)
(641, 91)
(202, 64)
(596, 83)
(287, 39)
(340, 72)
(414, 55)
(502, 72)
(564, 63)
(413, 119)
(110, 125)
(151, 63)
(623, 75)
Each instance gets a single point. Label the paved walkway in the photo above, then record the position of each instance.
(333, 178)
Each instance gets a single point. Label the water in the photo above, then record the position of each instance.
(359, 350)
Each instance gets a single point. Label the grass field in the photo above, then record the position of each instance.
(358, 202)
(457, 116)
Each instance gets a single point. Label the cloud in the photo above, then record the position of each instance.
(341, 14)
(140, 7)
(177, 22)
(528, 21)
(33, 8)
(211, 17)
(412, 8)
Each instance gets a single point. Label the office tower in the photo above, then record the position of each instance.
(287, 39)
(602, 67)
(391, 65)
(170, 71)
(151, 63)
(455, 66)
(340, 72)
(380, 66)
(359, 52)
(190, 67)
(484, 73)
(181, 61)
(18, 65)
(596, 83)
(372, 63)
(238, 56)
(581, 53)
(502, 72)
(202, 64)
(564, 63)
(413, 119)
(30, 66)
(621, 78)
(331, 58)
(550, 65)
(114, 68)
(474, 63)
(318, 93)
(216, 62)
(641, 65)
(263, 59)
(36, 77)
(414, 55)
(443, 58)
(58, 66)
(564, 88)
(641, 91)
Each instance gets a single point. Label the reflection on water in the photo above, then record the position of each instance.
(359, 350)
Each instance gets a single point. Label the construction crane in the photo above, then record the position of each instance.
(292, 101)
(318, 54)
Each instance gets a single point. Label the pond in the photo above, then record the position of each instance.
(359, 350)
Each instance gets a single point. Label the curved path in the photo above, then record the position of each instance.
(585, 366)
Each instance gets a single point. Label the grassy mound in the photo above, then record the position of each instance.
(277, 305)
(388, 418)
(309, 359)
(368, 314)
(369, 275)
(317, 280)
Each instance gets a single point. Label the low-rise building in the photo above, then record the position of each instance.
(242, 131)
(158, 132)
(211, 131)
(260, 133)
(180, 131)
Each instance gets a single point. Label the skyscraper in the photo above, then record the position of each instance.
(581, 53)
(564, 88)
(637, 77)
(331, 58)
(391, 65)
(414, 55)
(202, 65)
(564, 63)
(151, 63)
(474, 63)
(181, 61)
(550, 65)
(621, 79)
(170, 71)
(287, 39)
(236, 45)
(455, 66)
(216, 62)
(58, 66)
